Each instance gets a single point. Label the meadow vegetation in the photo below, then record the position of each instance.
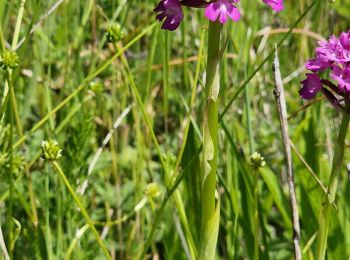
(101, 132)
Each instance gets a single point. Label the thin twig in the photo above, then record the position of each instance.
(282, 111)
(304, 107)
(308, 167)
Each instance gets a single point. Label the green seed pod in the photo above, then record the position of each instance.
(96, 87)
(51, 150)
(256, 160)
(114, 33)
(152, 190)
(9, 60)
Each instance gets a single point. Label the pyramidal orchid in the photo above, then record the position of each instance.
(170, 11)
(332, 56)
(333, 59)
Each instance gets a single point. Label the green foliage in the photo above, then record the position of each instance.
(72, 86)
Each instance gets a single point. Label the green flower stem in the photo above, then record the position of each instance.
(13, 112)
(324, 218)
(2, 44)
(81, 207)
(10, 178)
(256, 213)
(166, 73)
(210, 208)
(14, 42)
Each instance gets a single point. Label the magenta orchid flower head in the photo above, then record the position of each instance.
(332, 56)
(276, 5)
(170, 11)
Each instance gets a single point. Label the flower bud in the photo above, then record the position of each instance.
(9, 59)
(256, 160)
(51, 150)
(114, 33)
(152, 190)
(96, 87)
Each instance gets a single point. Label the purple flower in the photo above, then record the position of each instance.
(171, 12)
(333, 56)
(317, 65)
(311, 86)
(276, 5)
(335, 49)
(222, 9)
(342, 76)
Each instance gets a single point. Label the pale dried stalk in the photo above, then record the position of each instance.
(282, 111)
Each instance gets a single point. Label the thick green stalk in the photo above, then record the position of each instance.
(210, 207)
(324, 217)
(166, 73)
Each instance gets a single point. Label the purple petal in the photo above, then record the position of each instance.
(171, 12)
(317, 65)
(276, 5)
(342, 76)
(222, 9)
(311, 86)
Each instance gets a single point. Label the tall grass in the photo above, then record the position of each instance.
(73, 86)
